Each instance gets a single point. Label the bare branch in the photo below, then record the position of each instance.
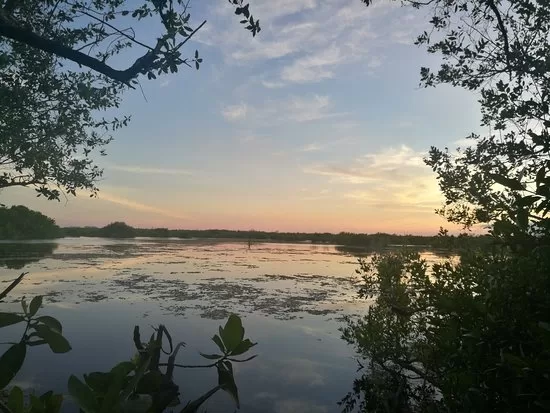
(34, 40)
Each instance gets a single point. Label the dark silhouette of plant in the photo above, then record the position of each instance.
(117, 230)
(144, 384)
(56, 77)
(19, 222)
(473, 336)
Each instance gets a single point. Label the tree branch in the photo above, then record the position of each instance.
(10, 287)
(504, 33)
(34, 40)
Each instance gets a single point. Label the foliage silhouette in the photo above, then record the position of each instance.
(144, 384)
(473, 336)
(56, 78)
(19, 222)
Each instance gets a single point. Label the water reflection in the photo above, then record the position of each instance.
(18, 255)
(291, 297)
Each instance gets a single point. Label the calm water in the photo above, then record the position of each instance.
(291, 298)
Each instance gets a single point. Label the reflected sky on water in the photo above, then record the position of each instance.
(291, 297)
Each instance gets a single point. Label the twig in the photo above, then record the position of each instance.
(4, 293)
(190, 35)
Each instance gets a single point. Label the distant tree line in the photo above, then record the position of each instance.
(368, 241)
(19, 222)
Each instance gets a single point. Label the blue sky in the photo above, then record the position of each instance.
(317, 124)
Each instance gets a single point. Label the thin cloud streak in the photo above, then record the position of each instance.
(147, 170)
(295, 108)
(393, 179)
(138, 206)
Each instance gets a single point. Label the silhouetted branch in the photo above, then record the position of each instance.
(4, 293)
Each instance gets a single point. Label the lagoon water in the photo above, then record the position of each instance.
(291, 297)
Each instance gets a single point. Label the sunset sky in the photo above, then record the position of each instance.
(317, 124)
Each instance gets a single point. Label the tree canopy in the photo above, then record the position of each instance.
(117, 230)
(19, 222)
(473, 336)
(57, 78)
(501, 51)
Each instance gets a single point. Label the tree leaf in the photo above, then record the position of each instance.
(51, 322)
(56, 341)
(112, 397)
(523, 218)
(83, 395)
(528, 200)
(233, 332)
(140, 371)
(150, 383)
(216, 339)
(35, 305)
(7, 319)
(507, 182)
(98, 381)
(11, 362)
(52, 402)
(16, 400)
(36, 404)
(243, 347)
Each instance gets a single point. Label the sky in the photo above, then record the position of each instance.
(316, 124)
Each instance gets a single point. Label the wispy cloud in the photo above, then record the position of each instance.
(308, 41)
(395, 178)
(294, 108)
(148, 170)
(323, 146)
(312, 68)
(138, 206)
(234, 113)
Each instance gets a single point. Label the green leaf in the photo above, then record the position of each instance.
(98, 381)
(56, 341)
(83, 395)
(528, 200)
(150, 383)
(211, 356)
(11, 362)
(52, 402)
(216, 339)
(243, 347)
(52, 323)
(36, 404)
(123, 368)
(35, 305)
(507, 182)
(139, 404)
(232, 333)
(226, 380)
(135, 380)
(112, 397)
(523, 218)
(7, 319)
(16, 400)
